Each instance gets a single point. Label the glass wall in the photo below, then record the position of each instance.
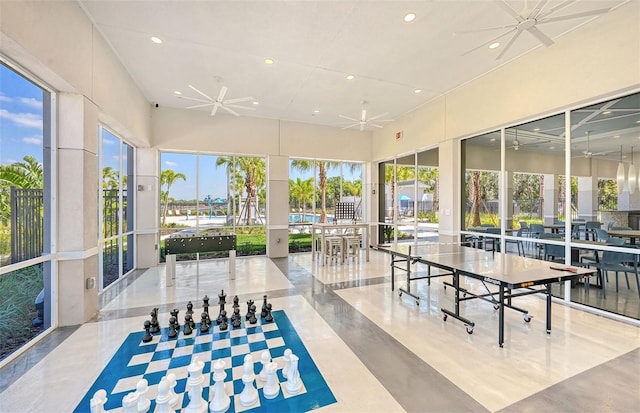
(207, 193)
(116, 200)
(26, 180)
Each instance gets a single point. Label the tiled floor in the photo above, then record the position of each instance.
(377, 351)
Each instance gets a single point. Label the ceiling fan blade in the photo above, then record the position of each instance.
(190, 98)
(489, 42)
(233, 112)
(378, 116)
(238, 107)
(199, 106)
(215, 109)
(223, 91)
(537, 9)
(508, 45)
(573, 16)
(198, 91)
(556, 9)
(348, 118)
(507, 7)
(238, 100)
(543, 38)
(485, 29)
(350, 126)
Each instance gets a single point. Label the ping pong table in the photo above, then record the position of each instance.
(508, 272)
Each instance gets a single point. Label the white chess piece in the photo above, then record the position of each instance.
(143, 401)
(130, 402)
(196, 403)
(163, 401)
(294, 384)
(97, 402)
(221, 400)
(173, 397)
(287, 363)
(249, 394)
(265, 358)
(272, 388)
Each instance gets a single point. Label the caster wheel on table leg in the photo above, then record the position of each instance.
(527, 318)
(496, 307)
(444, 317)
(469, 329)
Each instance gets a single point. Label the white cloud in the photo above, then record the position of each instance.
(27, 120)
(31, 102)
(107, 141)
(170, 163)
(33, 140)
(4, 98)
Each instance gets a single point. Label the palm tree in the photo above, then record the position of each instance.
(28, 175)
(168, 177)
(110, 178)
(302, 192)
(475, 195)
(252, 172)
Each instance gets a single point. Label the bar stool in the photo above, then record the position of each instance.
(352, 246)
(333, 248)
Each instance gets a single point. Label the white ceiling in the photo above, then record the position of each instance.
(315, 45)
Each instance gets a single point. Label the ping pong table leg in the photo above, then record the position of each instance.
(548, 308)
(501, 318)
(393, 273)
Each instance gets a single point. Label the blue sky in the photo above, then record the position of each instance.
(20, 118)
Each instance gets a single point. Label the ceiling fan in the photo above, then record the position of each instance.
(587, 153)
(218, 102)
(528, 20)
(517, 145)
(364, 121)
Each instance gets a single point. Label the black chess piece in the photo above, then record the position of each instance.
(252, 317)
(235, 301)
(174, 314)
(155, 326)
(187, 330)
(222, 317)
(173, 332)
(249, 304)
(205, 304)
(204, 325)
(268, 318)
(190, 308)
(263, 313)
(192, 323)
(147, 335)
(236, 320)
(224, 325)
(222, 297)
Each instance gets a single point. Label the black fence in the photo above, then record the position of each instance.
(27, 223)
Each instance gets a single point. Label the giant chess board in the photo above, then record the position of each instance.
(136, 360)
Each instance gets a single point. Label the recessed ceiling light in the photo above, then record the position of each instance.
(255, 102)
(409, 17)
(536, 129)
(177, 92)
(616, 136)
(606, 112)
(552, 147)
(638, 121)
(156, 40)
(316, 111)
(494, 45)
(268, 61)
(350, 77)
(492, 139)
(417, 91)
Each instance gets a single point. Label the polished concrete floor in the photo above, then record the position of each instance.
(377, 351)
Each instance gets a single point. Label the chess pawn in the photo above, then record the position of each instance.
(204, 325)
(187, 330)
(147, 335)
(252, 318)
(97, 402)
(224, 325)
(173, 397)
(163, 401)
(221, 400)
(130, 402)
(268, 318)
(237, 320)
(235, 302)
(265, 358)
(263, 313)
(174, 313)
(222, 317)
(190, 308)
(294, 384)
(249, 393)
(143, 401)
(272, 388)
(172, 328)
(287, 362)
(155, 326)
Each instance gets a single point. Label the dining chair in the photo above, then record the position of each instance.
(590, 229)
(519, 243)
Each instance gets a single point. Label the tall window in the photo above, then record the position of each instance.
(117, 206)
(25, 217)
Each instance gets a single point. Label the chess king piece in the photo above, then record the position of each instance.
(272, 388)
(143, 401)
(97, 402)
(287, 362)
(294, 384)
(221, 400)
(130, 402)
(194, 383)
(249, 395)
(163, 401)
(147, 335)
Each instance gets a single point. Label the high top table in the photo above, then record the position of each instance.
(506, 271)
(320, 230)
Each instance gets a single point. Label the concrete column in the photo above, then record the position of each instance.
(277, 206)
(147, 207)
(77, 246)
(550, 198)
(587, 197)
